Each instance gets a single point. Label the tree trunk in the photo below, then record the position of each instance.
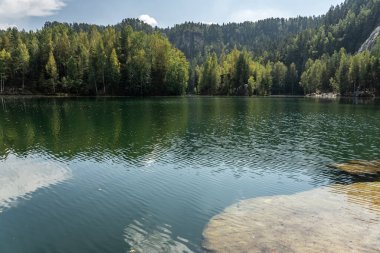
(23, 81)
(96, 89)
(2, 84)
(104, 85)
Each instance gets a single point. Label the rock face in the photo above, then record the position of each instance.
(371, 41)
(331, 219)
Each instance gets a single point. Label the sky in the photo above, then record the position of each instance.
(32, 14)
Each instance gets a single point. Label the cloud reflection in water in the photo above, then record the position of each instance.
(21, 177)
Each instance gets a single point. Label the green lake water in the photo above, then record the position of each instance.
(107, 175)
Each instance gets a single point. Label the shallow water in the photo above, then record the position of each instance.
(150, 173)
(336, 218)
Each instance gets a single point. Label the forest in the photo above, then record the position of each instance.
(295, 56)
(58, 59)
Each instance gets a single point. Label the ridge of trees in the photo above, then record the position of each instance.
(273, 56)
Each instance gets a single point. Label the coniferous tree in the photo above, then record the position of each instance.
(292, 79)
(279, 73)
(21, 59)
(113, 70)
(225, 59)
(51, 71)
(5, 59)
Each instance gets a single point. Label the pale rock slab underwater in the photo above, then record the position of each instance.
(339, 218)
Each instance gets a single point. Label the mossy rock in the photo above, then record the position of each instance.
(359, 167)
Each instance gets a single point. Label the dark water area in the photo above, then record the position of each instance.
(111, 174)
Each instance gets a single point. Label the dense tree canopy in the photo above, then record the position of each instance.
(291, 56)
(94, 61)
(273, 56)
(342, 73)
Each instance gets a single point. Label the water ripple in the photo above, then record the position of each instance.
(156, 240)
(19, 178)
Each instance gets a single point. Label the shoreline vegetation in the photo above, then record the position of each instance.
(326, 96)
(68, 95)
(335, 53)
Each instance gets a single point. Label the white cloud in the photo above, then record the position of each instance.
(255, 15)
(6, 26)
(208, 23)
(148, 20)
(17, 9)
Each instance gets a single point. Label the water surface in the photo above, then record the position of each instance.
(108, 175)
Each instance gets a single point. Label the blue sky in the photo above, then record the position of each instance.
(31, 14)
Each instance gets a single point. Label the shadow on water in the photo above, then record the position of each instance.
(360, 101)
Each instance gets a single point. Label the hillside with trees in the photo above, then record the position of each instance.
(63, 58)
(294, 51)
(275, 56)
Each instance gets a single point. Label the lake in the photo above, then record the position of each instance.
(115, 174)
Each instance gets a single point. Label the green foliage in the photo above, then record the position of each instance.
(210, 76)
(21, 60)
(5, 59)
(238, 74)
(292, 79)
(92, 60)
(352, 73)
(177, 75)
(279, 73)
(242, 71)
(272, 56)
(376, 48)
(51, 71)
(287, 52)
(113, 70)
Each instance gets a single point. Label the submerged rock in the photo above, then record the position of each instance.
(359, 167)
(331, 219)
